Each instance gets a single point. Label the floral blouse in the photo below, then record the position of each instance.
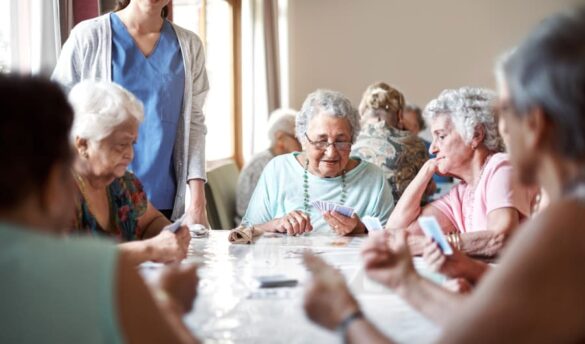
(399, 153)
(127, 203)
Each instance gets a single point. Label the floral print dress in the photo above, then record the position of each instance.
(399, 153)
(128, 202)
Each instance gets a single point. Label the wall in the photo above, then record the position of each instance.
(419, 46)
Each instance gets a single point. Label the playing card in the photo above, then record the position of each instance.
(173, 227)
(372, 223)
(432, 229)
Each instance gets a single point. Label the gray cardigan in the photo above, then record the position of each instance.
(87, 54)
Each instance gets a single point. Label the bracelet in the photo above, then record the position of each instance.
(344, 324)
(454, 239)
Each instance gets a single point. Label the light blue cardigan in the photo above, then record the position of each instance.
(87, 54)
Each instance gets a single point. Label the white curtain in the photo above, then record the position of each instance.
(260, 72)
(35, 36)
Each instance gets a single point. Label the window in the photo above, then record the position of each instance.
(212, 21)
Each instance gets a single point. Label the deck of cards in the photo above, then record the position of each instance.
(433, 230)
(332, 206)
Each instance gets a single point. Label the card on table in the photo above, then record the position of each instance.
(433, 230)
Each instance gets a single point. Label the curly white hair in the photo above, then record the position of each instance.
(469, 109)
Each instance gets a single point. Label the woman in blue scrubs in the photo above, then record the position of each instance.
(164, 66)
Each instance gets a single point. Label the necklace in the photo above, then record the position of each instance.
(306, 187)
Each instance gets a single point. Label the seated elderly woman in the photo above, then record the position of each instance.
(281, 132)
(112, 202)
(326, 126)
(487, 205)
(79, 290)
(399, 153)
(535, 294)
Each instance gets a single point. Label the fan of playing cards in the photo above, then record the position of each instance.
(332, 206)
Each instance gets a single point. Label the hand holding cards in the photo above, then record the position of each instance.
(331, 206)
(174, 227)
(433, 230)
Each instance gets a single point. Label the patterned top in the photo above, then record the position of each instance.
(127, 203)
(399, 153)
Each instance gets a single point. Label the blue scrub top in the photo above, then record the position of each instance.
(159, 82)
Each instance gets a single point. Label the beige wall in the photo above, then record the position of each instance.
(420, 46)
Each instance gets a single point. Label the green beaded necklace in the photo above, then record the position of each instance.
(306, 187)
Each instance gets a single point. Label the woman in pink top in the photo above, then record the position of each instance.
(486, 206)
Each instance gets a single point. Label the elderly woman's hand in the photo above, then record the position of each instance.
(327, 299)
(457, 265)
(387, 259)
(343, 225)
(294, 223)
(169, 246)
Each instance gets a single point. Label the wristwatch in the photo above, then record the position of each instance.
(344, 324)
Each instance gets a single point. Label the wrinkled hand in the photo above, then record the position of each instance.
(327, 299)
(180, 282)
(171, 247)
(294, 223)
(431, 167)
(196, 215)
(387, 258)
(341, 224)
(456, 265)
(416, 243)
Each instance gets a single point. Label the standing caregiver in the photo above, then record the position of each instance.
(163, 65)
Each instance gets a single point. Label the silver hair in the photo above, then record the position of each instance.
(100, 107)
(469, 109)
(331, 103)
(547, 71)
(281, 120)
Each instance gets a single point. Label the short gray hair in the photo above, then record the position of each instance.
(332, 103)
(100, 107)
(547, 70)
(281, 120)
(469, 108)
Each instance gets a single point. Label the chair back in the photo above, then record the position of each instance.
(220, 193)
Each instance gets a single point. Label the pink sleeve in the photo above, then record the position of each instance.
(501, 191)
(450, 205)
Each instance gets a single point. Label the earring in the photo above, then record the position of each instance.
(85, 155)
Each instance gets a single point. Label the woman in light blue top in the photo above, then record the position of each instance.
(326, 126)
(163, 65)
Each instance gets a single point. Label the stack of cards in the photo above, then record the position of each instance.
(331, 206)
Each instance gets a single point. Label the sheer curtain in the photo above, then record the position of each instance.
(260, 72)
(34, 36)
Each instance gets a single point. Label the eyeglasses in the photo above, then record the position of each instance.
(322, 145)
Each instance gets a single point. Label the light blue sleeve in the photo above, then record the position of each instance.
(384, 202)
(260, 209)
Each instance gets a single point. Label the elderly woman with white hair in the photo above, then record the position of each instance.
(486, 206)
(112, 200)
(326, 126)
(281, 132)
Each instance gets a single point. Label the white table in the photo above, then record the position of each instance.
(230, 308)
